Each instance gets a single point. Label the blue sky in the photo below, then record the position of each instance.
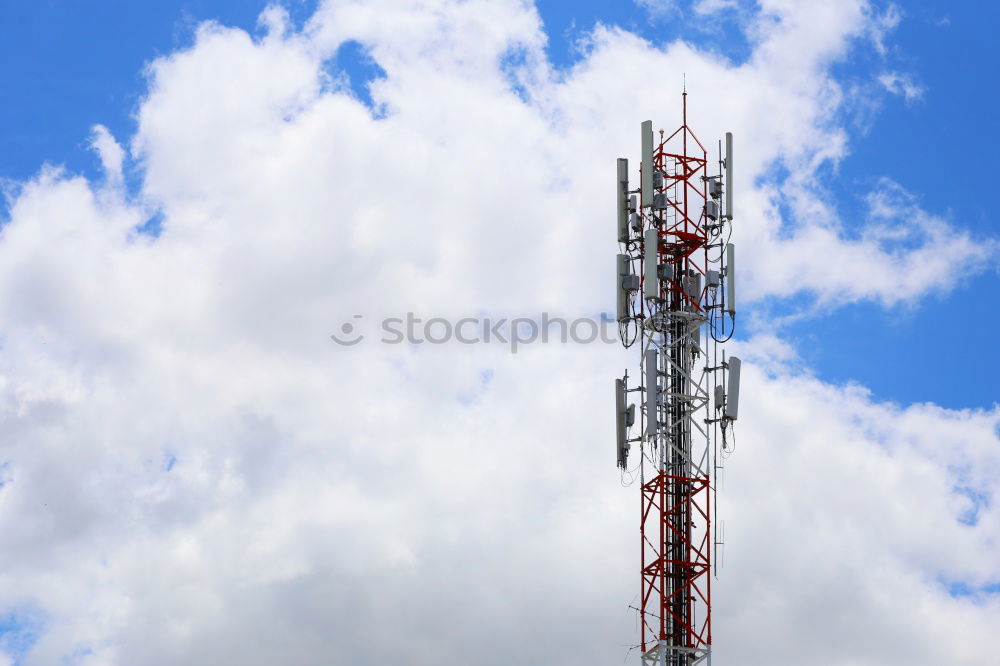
(81, 63)
(19, 631)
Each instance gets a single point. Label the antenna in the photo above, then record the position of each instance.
(626, 283)
(729, 175)
(650, 278)
(731, 279)
(623, 207)
(690, 391)
(647, 163)
(733, 399)
(623, 421)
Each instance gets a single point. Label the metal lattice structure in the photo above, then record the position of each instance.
(676, 227)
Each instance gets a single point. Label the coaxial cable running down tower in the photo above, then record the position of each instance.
(677, 304)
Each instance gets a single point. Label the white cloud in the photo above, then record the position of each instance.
(352, 506)
(659, 8)
(901, 84)
(882, 24)
(713, 6)
(902, 253)
(111, 154)
(853, 504)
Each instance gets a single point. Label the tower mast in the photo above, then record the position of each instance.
(675, 229)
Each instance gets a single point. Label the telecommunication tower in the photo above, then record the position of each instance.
(677, 303)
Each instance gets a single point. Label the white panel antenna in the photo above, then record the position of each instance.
(647, 163)
(731, 279)
(733, 399)
(623, 200)
(621, 422)
(729, 175)
(650, 260)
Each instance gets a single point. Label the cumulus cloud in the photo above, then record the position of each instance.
(198, 475)
(858, 506)
(901, 253)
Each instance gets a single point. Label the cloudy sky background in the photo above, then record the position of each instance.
(197, 197)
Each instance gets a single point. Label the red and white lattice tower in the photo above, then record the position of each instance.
(678, 307)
